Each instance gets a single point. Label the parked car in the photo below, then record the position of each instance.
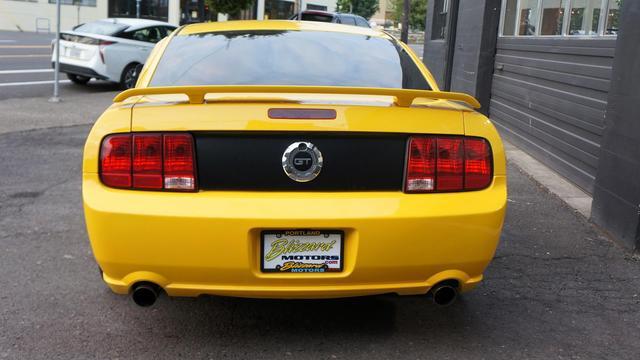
(340, 18)
(110, 49)
(286, 159)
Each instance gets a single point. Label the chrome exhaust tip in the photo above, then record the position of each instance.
(145, 294)
(444, 294)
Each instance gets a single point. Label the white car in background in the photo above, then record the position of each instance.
(110, 49)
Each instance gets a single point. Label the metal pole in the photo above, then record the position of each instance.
(404, 35)
(138, 8)
(56, 72)
(300, 10)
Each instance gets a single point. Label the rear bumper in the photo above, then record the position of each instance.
(208, 242)
(79, 70)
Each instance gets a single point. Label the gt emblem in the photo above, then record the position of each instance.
(302, 161)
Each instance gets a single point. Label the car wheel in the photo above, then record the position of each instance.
(130, 76)
(78, 79)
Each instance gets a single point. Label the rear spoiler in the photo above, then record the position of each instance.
(196, 94)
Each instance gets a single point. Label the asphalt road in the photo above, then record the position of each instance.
(25, 68)
(557, 288)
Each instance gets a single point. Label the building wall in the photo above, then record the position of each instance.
(616, 199)
(475, 45)
(22, 15)
(549, 96)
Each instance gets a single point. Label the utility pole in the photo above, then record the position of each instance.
(56, 72)
(404, 35)
(300, 10)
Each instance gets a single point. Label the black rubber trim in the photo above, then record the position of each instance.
(79, 70)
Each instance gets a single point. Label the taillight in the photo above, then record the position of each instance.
(448, 163)
(421, 164)
(178, 162)
(101, 45)
(148, 161)
(115, 161)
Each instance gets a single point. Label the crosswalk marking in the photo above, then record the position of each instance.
(33, 83)
(25, 71)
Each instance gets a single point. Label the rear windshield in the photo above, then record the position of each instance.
(101, 28)
(317, 17)
(312, 58)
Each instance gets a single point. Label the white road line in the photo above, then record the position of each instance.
(33, 83)
(19, 56)
(7, 41)
(25, 46)
(25, 71)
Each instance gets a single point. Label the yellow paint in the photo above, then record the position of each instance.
(208, 242)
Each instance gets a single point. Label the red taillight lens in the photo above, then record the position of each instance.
(421, 165)
(101, 45)
(115, 161)
(448, 163)
(477, 163)
(179, 171)
(148, 161)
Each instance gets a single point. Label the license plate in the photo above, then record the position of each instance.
(302, 251)
(74, 53)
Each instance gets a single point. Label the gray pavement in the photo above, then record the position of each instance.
(558, 288)
(25, 68)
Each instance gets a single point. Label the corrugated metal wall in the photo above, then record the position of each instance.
(549, 97)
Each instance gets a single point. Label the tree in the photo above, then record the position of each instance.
(230, 7)
(417, 15)
(364, 8)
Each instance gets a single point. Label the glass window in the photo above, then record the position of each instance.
(149, 9)
(509, 20)
(561, 17)
(529, 17)
(316, 17)
(360, 21)
(278, 9)
(439, 28)
(316, 7)
(347, 20)
(314, 58)
(613, 17)
(552, 17)
(150, 34)
(585, 17)
(74, 2)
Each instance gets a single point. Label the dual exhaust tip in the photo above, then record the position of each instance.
(145, 294)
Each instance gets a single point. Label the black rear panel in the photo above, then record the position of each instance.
(253, 161)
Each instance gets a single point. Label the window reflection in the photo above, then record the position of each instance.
(585, 17)
(552, 17)
(529, 17)
(286, 58)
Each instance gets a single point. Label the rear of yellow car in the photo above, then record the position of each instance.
(274, 160)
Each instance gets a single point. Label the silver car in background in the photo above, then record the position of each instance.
(110, 49)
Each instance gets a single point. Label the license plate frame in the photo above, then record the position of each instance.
(305, 236)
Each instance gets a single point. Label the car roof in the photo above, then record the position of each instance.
(293, 25)
(136, 23)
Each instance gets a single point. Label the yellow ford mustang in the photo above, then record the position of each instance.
(282, 159)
